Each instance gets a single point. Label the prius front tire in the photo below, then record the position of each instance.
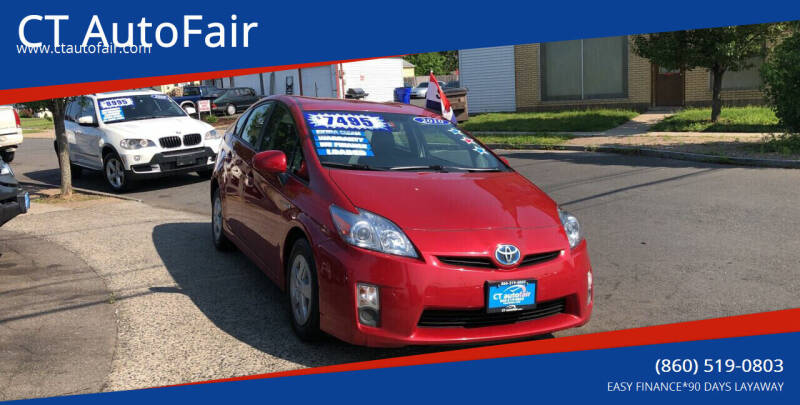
(303, 291)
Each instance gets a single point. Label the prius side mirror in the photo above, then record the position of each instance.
(87, 120)
(270, 162)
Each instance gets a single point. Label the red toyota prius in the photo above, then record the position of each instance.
(389, 226)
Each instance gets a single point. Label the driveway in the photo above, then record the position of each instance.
(670, 241)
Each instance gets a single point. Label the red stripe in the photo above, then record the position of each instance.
(21, 95)
(765, 323)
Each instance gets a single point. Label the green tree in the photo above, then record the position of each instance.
(781, 76)
(719, 50)
(441, 63)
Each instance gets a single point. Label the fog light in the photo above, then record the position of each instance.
(369, 307)
(588, 288)
(137, 158)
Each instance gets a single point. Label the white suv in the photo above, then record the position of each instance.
(131, 135)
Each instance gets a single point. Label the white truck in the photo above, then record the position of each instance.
(10, 132)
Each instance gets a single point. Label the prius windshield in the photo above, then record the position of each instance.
(139, 107)
(380, 141)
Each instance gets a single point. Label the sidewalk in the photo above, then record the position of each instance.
(57, 328)
(633, 137)
(185, 312)
(50, 134)
(638, 125)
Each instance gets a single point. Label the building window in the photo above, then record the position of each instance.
(748, 79)
(585, 69)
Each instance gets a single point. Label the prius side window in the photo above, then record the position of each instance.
(281, 134)
(255, 123)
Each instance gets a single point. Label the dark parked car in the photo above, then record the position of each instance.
(235, 99)
(193, 94)
(13, 200)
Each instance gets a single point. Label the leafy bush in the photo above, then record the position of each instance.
(211, 118)
(781, 76)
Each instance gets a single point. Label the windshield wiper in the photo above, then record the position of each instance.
(444, 169)
(438, 168)
(479, 169)
(351, 166)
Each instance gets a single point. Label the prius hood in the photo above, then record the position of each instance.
(158, 127)
(450, 201)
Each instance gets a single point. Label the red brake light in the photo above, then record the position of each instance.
(16, 118)
(213, 105)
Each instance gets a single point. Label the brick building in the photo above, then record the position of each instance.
(597, 72)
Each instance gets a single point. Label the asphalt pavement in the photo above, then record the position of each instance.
(57, 326)
(669, 241)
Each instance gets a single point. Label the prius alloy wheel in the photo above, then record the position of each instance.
(230, 109)
(303, 291)
(300, 290)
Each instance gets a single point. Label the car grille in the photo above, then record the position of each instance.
(191, 139)
(438, 318)
(487, 263)
(170, 141)
(537, 258)
(467, 261)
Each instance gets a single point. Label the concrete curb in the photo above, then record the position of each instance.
(81, 190)
(694, 157)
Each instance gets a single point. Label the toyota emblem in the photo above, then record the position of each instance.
(507, 255)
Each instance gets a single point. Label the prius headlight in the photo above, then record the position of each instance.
(135, 143)
(371, 231)
(213, 134)
(572, 227)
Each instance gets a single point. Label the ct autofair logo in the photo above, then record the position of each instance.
(512, 295)
(507, 255)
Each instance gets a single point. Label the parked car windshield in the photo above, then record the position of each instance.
(138, 107)
(378, 141)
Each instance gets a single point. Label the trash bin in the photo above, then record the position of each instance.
(458, 101)
(402, 95)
